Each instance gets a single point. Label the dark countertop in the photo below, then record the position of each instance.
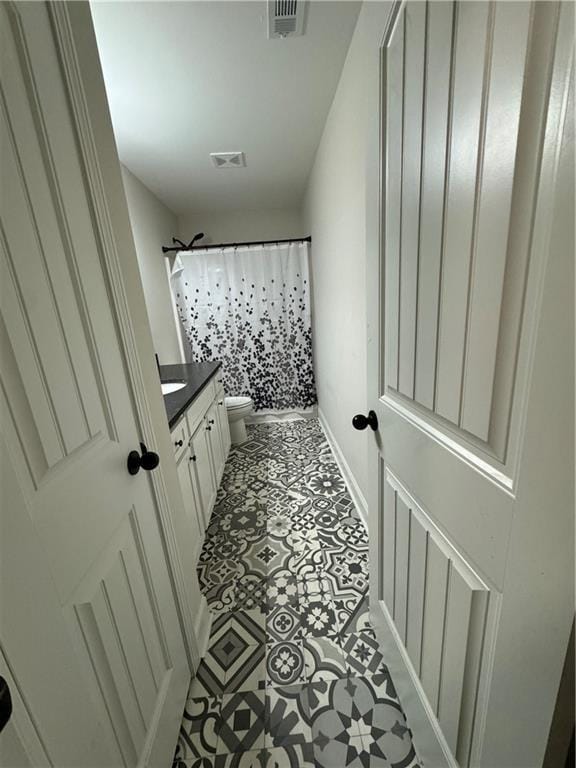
(196, 374)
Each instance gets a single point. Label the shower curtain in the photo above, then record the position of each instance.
(249, 307)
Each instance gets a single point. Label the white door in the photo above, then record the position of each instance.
(472, 373)
(88, 627)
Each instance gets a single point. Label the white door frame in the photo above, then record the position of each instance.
(73, 31)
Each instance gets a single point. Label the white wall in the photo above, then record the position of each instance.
(154, 225)
(334, 212)
(242, 226)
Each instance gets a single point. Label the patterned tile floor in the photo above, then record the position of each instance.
(293, 677)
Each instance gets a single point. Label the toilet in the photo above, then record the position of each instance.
(237, 409)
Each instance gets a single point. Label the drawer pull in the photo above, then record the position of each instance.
(192, 458)
(208, 429)
(179, 443)
(220, 402)
(210, 421)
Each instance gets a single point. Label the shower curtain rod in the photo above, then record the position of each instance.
(182, 247)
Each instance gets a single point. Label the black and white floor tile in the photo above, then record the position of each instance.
(294, 676)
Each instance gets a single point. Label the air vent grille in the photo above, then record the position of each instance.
(285, 26)
(285, 18)
(285, 8)
(228, 159)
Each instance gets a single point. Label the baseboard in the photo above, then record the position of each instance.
(429, 742)
(289, 414)
(357, 495)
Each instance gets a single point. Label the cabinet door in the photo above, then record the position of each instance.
(186, 475)
(223, 425)
(215, 440)
(202, 476)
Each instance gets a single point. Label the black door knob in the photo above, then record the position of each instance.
(148, 460)
(5, 703)
(361, 422)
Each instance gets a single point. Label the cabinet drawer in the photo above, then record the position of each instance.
(180, 436)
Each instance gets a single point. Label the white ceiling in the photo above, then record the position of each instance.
(188, 78)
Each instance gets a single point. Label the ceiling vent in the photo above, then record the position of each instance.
(228, 159)
(285, 18)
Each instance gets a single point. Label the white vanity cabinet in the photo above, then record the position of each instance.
(201, 439)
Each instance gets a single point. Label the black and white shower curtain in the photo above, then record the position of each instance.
(249, 307)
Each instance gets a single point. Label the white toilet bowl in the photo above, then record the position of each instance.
(237, 409)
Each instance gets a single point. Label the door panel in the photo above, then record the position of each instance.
(394, 95)
(493, 211)
(474, 108)
(69, 423)
(471, 48)
(35, 640)
(458, 141)
(20, 744)
(439, 608)
(12, 751)
(439, 23)
(116, 610)
(411, 105)
(42, 212)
